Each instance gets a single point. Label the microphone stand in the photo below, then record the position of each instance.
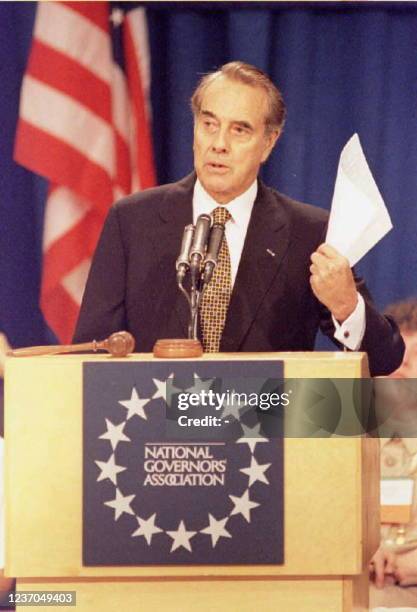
(200, 261)
(200, 281)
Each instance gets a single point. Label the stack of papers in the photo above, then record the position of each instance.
(358, 216)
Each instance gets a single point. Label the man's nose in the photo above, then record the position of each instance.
(220, 142)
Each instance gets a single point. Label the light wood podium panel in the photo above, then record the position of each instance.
(330, 513)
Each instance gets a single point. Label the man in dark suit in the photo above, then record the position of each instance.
(284, 282)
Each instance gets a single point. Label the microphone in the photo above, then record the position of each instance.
(183, 262)
(198, 248)
(215, 243)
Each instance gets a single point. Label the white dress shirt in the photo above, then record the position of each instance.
(349, 333)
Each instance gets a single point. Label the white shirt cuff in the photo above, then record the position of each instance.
(350, 333)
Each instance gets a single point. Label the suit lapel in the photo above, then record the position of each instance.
(175, 212)
(266, 243)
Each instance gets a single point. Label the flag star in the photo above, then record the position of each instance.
(181, 537)
(115, 434)
(243, 505)
(109, 469)
(146, 528)
(135, 405)
(216, 529)
(117, 17)
(256, 471)
(120, 504)
(251, 436)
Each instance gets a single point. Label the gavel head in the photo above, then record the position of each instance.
(120, 344)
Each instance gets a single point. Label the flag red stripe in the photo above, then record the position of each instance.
(123, 174)
(96, 12)
(71, 249)
(144, 160)
(64, 74)
(60, 312)
(62, 164)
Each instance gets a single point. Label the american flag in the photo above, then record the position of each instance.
(84, 125)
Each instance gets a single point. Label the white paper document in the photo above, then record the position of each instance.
(358, 216)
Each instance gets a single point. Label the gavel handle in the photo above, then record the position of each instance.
(118, 344)
(55, 349)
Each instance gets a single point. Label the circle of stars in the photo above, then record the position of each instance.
(148, 527)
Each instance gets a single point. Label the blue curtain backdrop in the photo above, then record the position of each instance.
(342, 69)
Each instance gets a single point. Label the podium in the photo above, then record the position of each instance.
(331, 495)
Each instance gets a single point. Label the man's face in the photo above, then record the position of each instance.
(230, 140)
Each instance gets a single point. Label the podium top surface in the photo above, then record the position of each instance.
(302, 364)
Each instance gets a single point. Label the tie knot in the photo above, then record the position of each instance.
(221, 215)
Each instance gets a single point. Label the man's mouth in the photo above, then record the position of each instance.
(217, 167)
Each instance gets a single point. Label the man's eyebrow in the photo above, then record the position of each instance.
(207, 113)
(243, 124)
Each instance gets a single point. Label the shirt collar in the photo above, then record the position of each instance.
(240, 208)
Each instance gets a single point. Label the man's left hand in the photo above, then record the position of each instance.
(332, 282)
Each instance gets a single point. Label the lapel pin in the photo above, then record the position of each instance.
(270, 252)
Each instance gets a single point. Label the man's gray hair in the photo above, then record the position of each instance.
(249, 75)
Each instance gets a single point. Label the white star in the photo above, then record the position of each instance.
(109, 469)
(120, 504)
(197, 386)
(233, 409)
(146, 528)
(161, 388)
(243, 505)
(115, 434)
(256, 471)
(135, 405)
(249, 436)
(181, 537)
(216, 529)
(117, 17)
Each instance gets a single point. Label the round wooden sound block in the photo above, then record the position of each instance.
(177, 348)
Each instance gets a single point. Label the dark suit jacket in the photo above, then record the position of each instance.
(132, 282)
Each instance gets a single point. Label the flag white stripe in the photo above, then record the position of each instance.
(64, 209)
(75, 36)
(63, 117)
(75, 281)
(139, 32)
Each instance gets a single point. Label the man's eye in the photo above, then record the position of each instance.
(209, 123)
(239, 130)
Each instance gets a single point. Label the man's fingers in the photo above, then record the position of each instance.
(322, 260)
(328, 251)
(318, 259)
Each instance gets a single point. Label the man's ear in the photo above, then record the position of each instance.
(271, 138)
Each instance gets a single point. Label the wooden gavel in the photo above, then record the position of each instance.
(119, 344)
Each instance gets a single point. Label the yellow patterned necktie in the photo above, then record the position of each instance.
(216, 297)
